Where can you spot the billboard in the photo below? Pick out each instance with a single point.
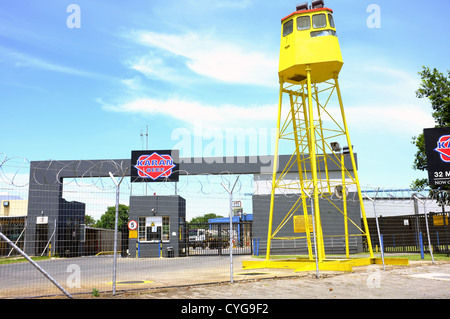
(155, 166)
(437, 148)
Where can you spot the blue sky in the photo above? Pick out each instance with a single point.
(198, 68)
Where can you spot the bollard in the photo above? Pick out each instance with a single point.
(421, 246)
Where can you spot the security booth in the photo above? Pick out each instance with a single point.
(159, 226)
(156, 225)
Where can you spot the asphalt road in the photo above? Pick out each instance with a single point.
(78, 275)
(154, 278)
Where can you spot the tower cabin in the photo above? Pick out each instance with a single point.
(308, 38)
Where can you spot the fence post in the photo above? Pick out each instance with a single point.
(380, 239)
(428, 233)
(426, 223)
(257, 247)
(310, 196)
(116, 226)
(230, 192)
(315, 238)
(422, 256)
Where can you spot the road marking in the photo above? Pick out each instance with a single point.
(436, 276)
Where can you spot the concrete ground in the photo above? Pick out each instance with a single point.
(419, 280)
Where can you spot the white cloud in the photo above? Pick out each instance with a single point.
(19, 59)
(190, 112)
(206, 55)
(133, 84)
(156, 68)
(381, 97)
(406, 119)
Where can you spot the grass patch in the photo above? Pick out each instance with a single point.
(13, 260)
(409, 256)
(427, 257)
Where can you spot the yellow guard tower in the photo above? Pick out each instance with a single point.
(309, 43)
(309, 66)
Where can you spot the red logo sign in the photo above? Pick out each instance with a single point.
(154, 166)
(443, 148)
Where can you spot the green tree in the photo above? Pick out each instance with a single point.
(107, 220)
(204, 218)
(435, 86)
(89, 220)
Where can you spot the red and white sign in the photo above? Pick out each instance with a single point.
(132, 225)
(154, 166)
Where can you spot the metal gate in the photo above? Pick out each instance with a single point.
(214, 239)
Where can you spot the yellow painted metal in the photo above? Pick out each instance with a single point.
(304, 264)
(391, 261)
(313, 163)
(274, 174)
(295, 125)
(344, 203)
(355, 172)
(312, 139)
(321, 132)
(308, 69)
(300, 50)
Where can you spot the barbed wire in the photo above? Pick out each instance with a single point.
(18, 172)
(11, 168)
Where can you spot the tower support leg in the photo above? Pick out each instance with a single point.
(355, 172)
(313, 161)
(274, 173)
(300, 173)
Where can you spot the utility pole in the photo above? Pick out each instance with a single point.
(230, 192)
(146, 147)
(146, 138)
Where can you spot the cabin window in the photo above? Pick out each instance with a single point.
(154, 229)
(319, 21)
(331, 20)
(322, 33)
(288, 27)
(303, 23)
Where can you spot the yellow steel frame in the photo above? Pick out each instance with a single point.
(302, 264)
(307, 62)
(314, 126)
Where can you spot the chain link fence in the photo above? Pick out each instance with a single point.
(170, 245)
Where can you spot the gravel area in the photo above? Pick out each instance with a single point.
(419, 280)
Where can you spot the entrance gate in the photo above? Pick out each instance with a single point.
(214, 239)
